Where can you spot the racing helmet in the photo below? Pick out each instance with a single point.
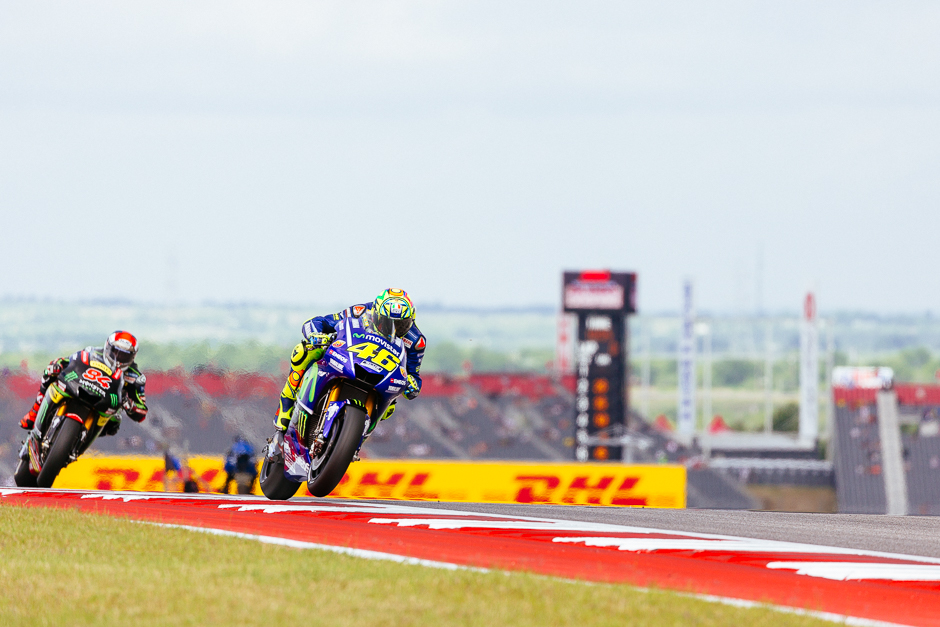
(393, 313)
(120, 349)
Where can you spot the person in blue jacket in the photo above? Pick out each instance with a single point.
(391, 314)
(240, 460)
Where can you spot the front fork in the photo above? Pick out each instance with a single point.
(52, 396)
(33, 440)
(36, 445)
(299, 419)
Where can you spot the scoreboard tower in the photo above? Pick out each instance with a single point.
(602, 300)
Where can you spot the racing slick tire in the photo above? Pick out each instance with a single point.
(63, 443)
(338, 452)
(274, 484)
(22, 477)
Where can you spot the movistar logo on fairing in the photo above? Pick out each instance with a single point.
(374, 338)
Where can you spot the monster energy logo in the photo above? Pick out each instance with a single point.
(71, 376)
(114, 400)
(303, 423)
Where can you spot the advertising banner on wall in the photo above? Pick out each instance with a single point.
(477, 482)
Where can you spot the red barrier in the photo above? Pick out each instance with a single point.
(529, 385)
(169, 382)
(853, 397)
(19, 385)
(918, 394)
(242, 385)
(440, 385)
(909, 394)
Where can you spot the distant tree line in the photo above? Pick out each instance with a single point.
(911, 364)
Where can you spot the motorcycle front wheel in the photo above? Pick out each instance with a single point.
(22, 477)
(332, 463)
(64, 442)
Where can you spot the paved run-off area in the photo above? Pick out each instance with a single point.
(830, 573)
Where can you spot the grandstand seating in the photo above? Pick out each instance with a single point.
(483, 416)
(857, 459)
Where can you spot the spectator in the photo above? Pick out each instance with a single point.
(240, 466)
(171, 464)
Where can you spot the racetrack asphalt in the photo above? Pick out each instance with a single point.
(910, 535)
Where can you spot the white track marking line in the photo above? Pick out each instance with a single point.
(115, 497)
(269, 507)
(361, 506)
(680, 540)
(110, 495)
(464, 523)
(503, 521)
(401, 559)
(742, 545)
(846, 571)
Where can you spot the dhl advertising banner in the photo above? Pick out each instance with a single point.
(478, 482)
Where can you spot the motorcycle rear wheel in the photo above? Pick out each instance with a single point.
(22, 477)
(60, 452)
(274, 484)
(345, 444)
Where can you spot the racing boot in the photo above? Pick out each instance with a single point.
(30, 418)
(282, 417)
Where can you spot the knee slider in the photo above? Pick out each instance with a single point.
(294, 378)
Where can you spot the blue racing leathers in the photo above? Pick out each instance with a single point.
(414, 340)
(305, 354)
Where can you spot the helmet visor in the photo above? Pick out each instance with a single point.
(392, 327)
(118, 356)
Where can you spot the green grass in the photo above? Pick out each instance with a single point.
(61, 567)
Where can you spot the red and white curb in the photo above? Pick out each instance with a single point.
(848, 585)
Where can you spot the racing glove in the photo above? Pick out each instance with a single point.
(319, 340)
(413, 388)
(51, 372)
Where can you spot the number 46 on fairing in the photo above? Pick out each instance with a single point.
(367, 350)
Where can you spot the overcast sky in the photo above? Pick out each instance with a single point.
(470, 151)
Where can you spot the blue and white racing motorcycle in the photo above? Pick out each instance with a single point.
(338, 406)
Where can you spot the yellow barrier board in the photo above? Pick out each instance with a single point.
(99, 472)
(478, 482)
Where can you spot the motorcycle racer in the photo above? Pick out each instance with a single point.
(391, 315)
(118, 353)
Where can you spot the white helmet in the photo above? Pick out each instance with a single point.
(120, 349)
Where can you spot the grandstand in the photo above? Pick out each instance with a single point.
(860, 484)
(509, 416)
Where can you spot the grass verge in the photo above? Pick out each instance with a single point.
(61, 567)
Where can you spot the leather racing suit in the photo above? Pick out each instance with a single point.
(134, 399)
(305, 354)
